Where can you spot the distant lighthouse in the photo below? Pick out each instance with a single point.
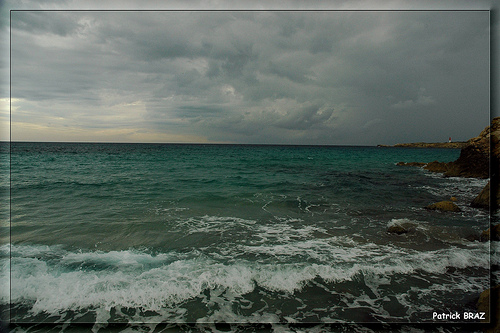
(449, 140)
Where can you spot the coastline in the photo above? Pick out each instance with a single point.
(451, 145)
(474, 162)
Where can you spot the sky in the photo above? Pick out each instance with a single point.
(358, 75)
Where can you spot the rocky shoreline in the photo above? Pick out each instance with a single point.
(451, 145)
(479, 158)
(474, 162)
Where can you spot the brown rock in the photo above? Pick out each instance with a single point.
(437, 166)
(483, 198)
(446, 206)
(397, 229)
(474, 159)
(495, 137)
(473, 162)
(454, 199)
(483, 305)
(487, 234)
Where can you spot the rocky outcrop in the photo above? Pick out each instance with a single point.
(483, 199)
(474, 159)
(446, 206)
(474, 162)
(481, 149)
(437, 166)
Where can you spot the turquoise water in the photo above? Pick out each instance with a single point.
(237, 233)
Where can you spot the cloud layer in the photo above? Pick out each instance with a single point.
(320, 77)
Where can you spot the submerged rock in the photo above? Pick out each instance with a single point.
(446, 206)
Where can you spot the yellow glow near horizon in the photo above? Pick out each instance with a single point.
(69, 127)
(34, 132)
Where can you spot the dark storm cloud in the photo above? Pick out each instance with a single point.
(268, 77)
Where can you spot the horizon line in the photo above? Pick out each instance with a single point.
(187, 143)
(223, 143)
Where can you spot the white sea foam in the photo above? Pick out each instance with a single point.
(53, 291)
(121, 259)
(466, 188)
(168, 210)
(202, 272)
(285, 230)
(401, 222)
(51, 280)
(211, 224)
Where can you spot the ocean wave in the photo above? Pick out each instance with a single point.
(51, 280)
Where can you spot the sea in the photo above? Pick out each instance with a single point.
(146, 236)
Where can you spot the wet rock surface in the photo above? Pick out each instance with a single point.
(397, 229)
(446, 206)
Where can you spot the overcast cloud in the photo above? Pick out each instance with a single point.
(325, 77)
